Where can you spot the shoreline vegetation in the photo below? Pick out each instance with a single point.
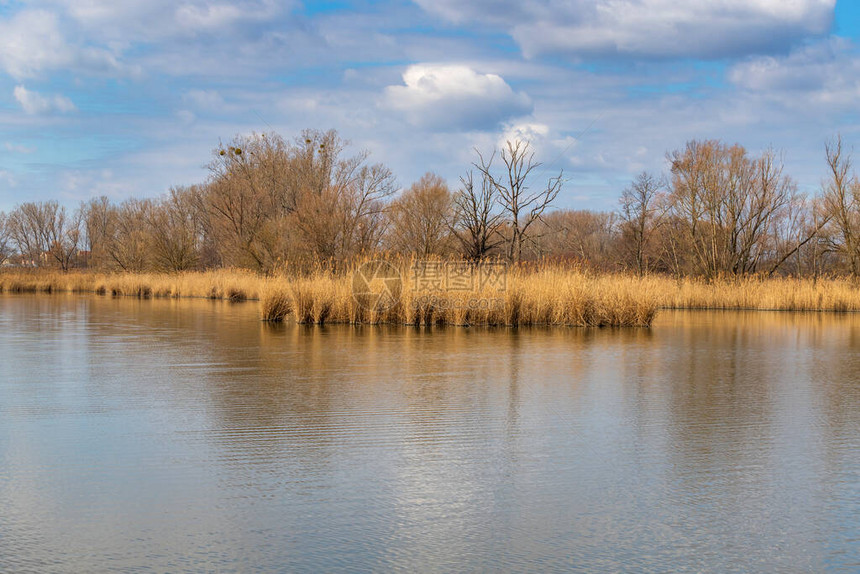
(321, 235)
(544, 294)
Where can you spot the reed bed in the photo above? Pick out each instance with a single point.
(543, 294)
(234, 285)
(759, 293)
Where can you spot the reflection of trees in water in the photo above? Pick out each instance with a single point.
(746, 419)
(744, 373)
(836, 372)
(278, 411)
(243, 387)
(835, 376)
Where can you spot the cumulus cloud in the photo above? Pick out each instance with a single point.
(826, 72)
(647, 28)
(35, 103)
(446, 96)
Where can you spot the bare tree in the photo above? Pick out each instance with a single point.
(45, 234)
(68, 236)
(316, 164)
(364, 202)
(476, 221)
(5, 239)
(267, 200)
(730, 205)
(640, 214)
(521, 205)
(26, 227)
(586, 236)
(175, 230)
(247, 193)
(343, 217)
(421, 217)
(99, 221)
(799, 237)
(129, 244)
(841, 196)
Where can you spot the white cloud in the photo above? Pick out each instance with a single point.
(35, 103)
(33, 42)
(527, 131)
(444, 96)
(128, 37)
(30, 42)
(824, 73)
(647, 28)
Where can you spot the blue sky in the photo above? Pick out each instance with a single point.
(127, 98)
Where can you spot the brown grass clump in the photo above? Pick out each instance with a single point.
(276, 304)
(313, 299)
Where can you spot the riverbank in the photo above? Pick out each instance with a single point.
(536, 295)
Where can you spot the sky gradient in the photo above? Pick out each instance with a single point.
(127, 98)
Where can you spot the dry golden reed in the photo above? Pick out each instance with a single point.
(535, 296)
(759, 293)
(542, 294)
(230, 284)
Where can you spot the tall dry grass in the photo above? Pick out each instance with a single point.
(759, 293)
(235, 285)
(543, 294)
(548, 295)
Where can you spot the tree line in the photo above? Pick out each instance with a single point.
(269, 203)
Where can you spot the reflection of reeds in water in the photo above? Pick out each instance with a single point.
(532, 295)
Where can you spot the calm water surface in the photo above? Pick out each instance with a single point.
(188, 436)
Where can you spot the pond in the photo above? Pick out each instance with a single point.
(186, 435)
